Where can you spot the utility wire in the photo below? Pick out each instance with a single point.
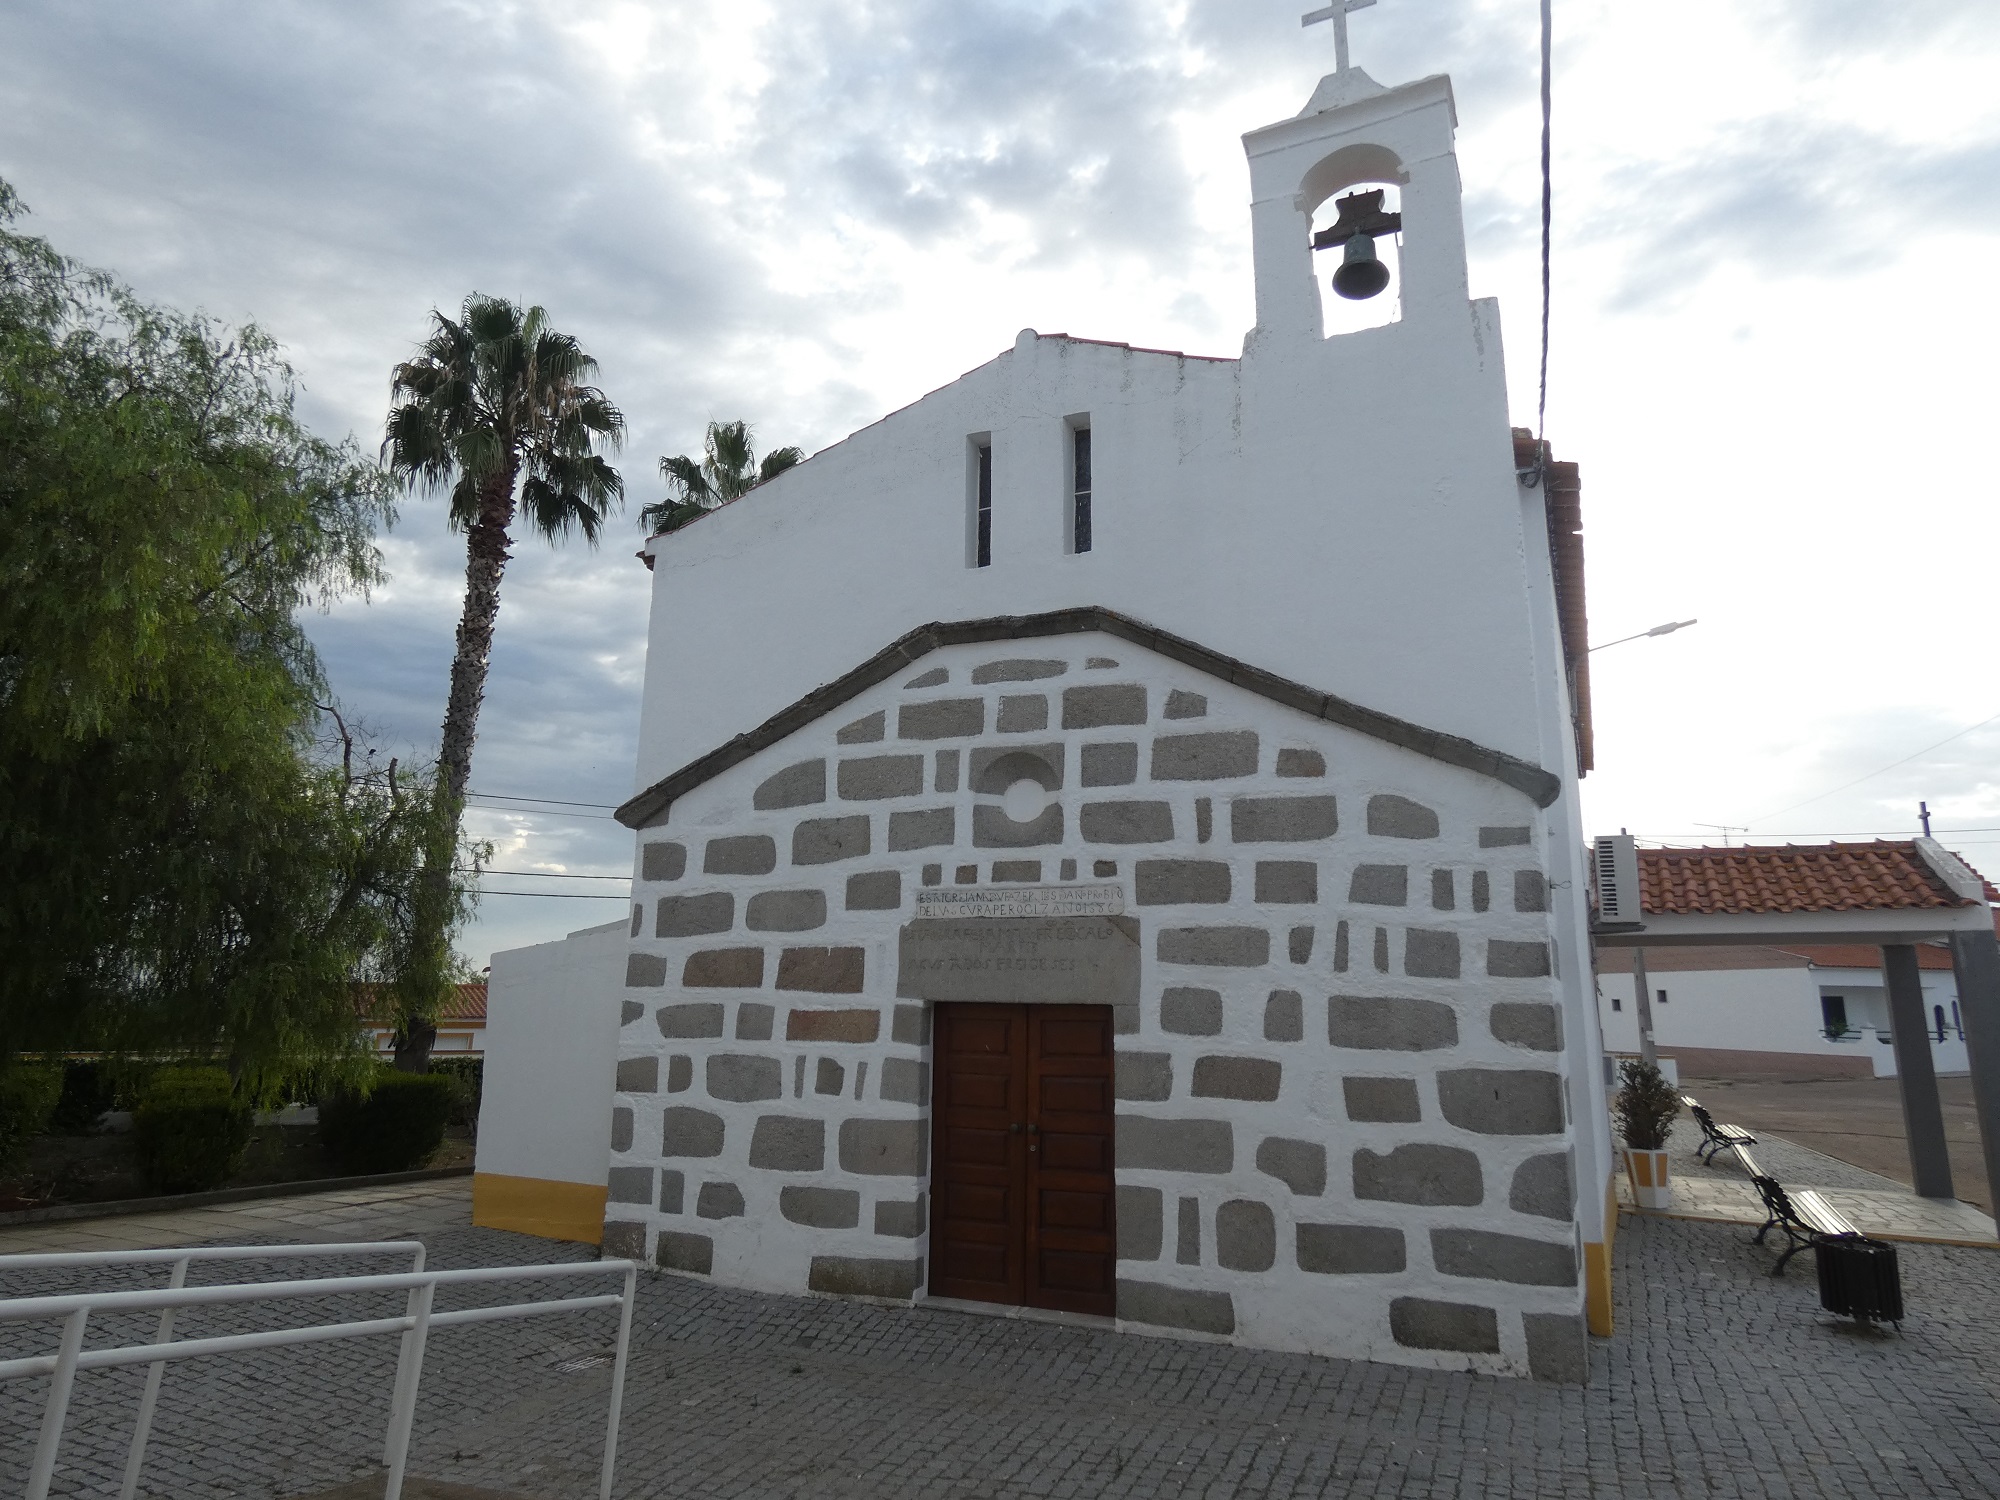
(1879, 771)
(557, 801)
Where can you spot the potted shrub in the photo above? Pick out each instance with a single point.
(1645, 1110)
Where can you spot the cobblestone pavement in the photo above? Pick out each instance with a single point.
(1721, 1382)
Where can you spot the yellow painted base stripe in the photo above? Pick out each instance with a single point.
(1597, 1268)
(539, 1206)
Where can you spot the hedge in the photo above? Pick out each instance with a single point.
(395, 1129)
(28, 1094)
(191, 1130)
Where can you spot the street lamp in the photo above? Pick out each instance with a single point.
(1667, 629)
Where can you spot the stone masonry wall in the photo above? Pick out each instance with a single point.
(1341, 1124)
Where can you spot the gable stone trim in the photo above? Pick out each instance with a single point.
(1539, 785)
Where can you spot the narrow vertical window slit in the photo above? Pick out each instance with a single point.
(1080, 505)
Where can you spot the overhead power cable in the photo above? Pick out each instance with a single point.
(1818, 796)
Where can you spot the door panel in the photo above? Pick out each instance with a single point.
(1072, 1241)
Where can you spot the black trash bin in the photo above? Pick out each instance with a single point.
(1858, 1278)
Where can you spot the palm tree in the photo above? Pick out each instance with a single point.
(494, 412)
(728, 471)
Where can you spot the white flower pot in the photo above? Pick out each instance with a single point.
(1647, 1172)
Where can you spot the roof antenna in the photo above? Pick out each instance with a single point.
(1725, 829)
(1924, 816)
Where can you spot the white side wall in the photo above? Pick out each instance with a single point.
(551, 1041)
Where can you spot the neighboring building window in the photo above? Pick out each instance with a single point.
(1080, 489)
(982, 546)
(1663, 997)
(1833, 1011)
(1616, 1003)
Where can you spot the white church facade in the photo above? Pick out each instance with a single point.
(1108, 838)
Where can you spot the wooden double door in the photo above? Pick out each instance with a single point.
(1022, 1189)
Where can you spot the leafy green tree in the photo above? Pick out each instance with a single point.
(728, 470)
(496, 413)
(186, 871)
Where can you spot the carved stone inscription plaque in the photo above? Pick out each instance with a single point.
(1032, 960)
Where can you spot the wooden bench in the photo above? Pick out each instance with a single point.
(1715, 1138)
(1806, 1218)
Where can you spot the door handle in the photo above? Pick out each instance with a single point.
(1015, 1128)
(1033, 1131)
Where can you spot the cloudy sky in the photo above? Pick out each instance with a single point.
(1777, 224)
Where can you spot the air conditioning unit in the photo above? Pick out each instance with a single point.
(1617, 866)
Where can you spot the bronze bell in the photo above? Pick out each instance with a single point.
(1360, 275)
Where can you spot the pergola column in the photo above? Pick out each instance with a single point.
(1923, 1115)
(1975, 962)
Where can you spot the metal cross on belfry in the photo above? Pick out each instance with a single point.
(1336, 13)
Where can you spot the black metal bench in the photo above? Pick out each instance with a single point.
(1806, 1218)
(1715, 1138)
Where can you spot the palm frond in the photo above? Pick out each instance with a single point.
(777, 461)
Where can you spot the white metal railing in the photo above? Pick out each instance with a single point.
(413, 1324)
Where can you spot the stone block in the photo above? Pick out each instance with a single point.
(829, 1077)
(905, 1080)
(821, 841)
(1214, 755)
(1350, 1249)
(1022, 713)
(922, 828)
(1430, 955)
(1390, 1023)
(696, 1019)
(673, 1192)
(638, 1075)
(1381, 1101)
(1153, 1145)
(680, 1073)
(1187, 1233)
(1095, 707)
(693, 916)
(1444, 894)
(801, 785)
(623, 1241)
(690, 1132)
(1141, 1223)
(1180, 882)
(1531, 891)
(995, 768)
(788, 1143)
(1460, 1327)
(833, 1025)
(1505, 960)
(863, 731)
(1502, 1101)
(680, 1251)
(1482, 891)
(820, 1207)
(866, 1276)
(631, 1010)
(884, 1148)
(1143, 1075)
(876, 890)
(663, 861)
(1380, 885)
(1175, 1307)
(741, 854)
(1558, 1351)
(1224, 1077)
(903, 1220)
(753, 1021)
(911, 1025)
(1017, 871)
(946, 779)
(1204, 819)
(1381, 950)
(645, 971)
(1299, 945)
(638, 919)
(1246, 1236)
(1490, 1256)
(1287, 881)
(1301, 763)
(1233, 947)
(1018, 669)
(786, 911)
(873, 777)
(1110, 765)
(744, 1077)
(1299, 1165)
(1505, 838)
(1545, 1187)
(1185, 705)
(1392, 817)
(1282, 820)
(935, 677)
(1340, 947)
(1532, 1025)
(942, 719)
(1284, 1016)
(830, 971)
(1433, 1176)
(1191, 1012)
(719, 1200)
(993, 829)
(1066, 870)
(724, 968)
(1126, 822)
(621, 1129)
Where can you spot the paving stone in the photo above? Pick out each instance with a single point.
(1430, 955)
(943, 719)
(885, 1148)
(993, 829)
(1284, 1016)
(1022, 713)
(874, 777)
(788, 1143)
(695, 1019)
(1110, 764)
(1444, 895)
(1502, 1101)
(1176, 1307)
(638, 1075)
(833, 1025)
(821, 841)
(1141, 1222)
(1393, 817)
(1287, 881)
(1421, 1323)
(1126, 822)
(621, 1132)
(820, 1207)
(1215, 755)
(1223, 1077)
(1532, 1025)
(1505, 838)
(741, 854)
(724, 968)
(863, 731)
(1380, 885)
(1282, 820)
(1390, 1023)
(1186, 1011)
(865, 1276)
(678, 1250)
(1246, 1236)
(753, 1021)
(1558, 1350)
(906, 1081)
(1381, 1101)
(786, 911)
(1153, 1145)
(801, 785)
(743, 1077)
(662, 860)
(1531, 891)
(693, 916)
(1505, 960)
(1299, 1165)
(876, 890)
(1180, 882)
(1185, 705)
(1237, 947)
(922, 828)
(933, 678)
(719, 1200)
(900, 1219)
(1350, 1249)
(1544, 1186)
(829, 971)
(1301, 763)
(1097, 706)
(1018, 669)
(1434, 1176)
(1143, 1075)
(1016, 871)
(1492, 1256)
(685, 1131)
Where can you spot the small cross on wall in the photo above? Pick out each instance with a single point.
(1337, 13)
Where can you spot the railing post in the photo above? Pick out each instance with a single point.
(409, 1375)
(618, 1382)
(61, 1379)
(142, 1429)
(403, 1351)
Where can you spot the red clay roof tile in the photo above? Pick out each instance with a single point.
(1790, 878)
